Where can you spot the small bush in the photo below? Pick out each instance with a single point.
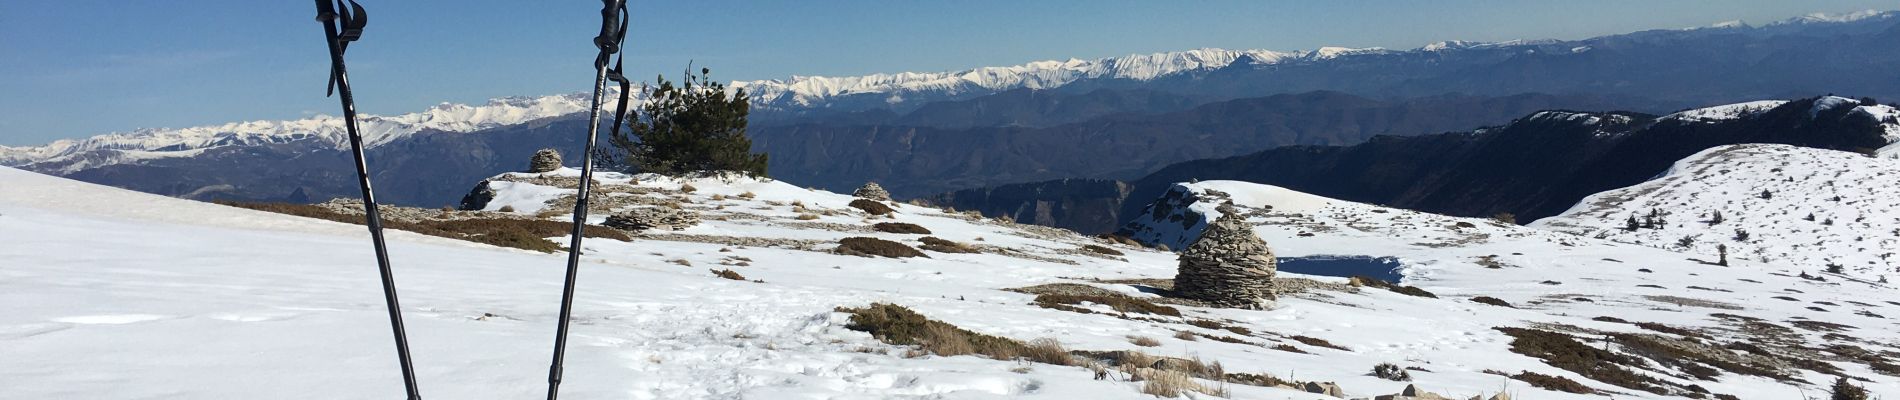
(871, 207)
(1047, 351)
(1185, 335)
(1391, 372)
(728, 274)
(807, 217)
(1145, 341)
(1119, 303)
(1491, 301)
(506, 209)
(1556, 383)
(688, 188)
(932, 243)
(864, 246)
(1101, 250)
(1844, 390)
(900, 227)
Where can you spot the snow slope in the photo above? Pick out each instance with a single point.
(1552, 277)
(114, 294)
(1852, 199)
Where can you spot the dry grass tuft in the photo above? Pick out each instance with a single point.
(728, 274)
(1145, 341)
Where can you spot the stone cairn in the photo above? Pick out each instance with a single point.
(644, 218)
(872, 191)
(1229, 266)
(544, 160)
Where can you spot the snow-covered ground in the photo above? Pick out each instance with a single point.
(1795, 207)
(1551, 277)
(115, 294)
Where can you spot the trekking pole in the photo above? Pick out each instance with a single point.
(613, 29)
(339, 29)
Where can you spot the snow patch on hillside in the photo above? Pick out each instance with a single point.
(1725, 112)
(1795, 206)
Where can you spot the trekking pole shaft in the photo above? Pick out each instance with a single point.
(373, 216)
(574, 244)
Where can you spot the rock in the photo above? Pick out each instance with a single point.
(478, 197)
(544, 160)
(1325, 388)
(872, 191)
(645, 218)
(1228, 267)
(1412, 392)
(1501, 396)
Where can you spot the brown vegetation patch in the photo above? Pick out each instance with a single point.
(1313, 341)
(1550, 382)
(1820, 326)
(900, 227)
(1562, 351)
(728, 274)
(1118, 302)
(1491, 301)
(867, 247)
(897, 325)
(505, 232)
(871, 207)
(935, 244)
(1101, 250)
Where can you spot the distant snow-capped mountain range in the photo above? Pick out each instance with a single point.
(891, 91)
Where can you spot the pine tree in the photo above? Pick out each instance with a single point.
(690, 127)
(1632, 225)
(1722, 250)
(1715, 218)
(1765, 194)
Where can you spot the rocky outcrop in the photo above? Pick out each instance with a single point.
(1228, 267)
(872, 191)
(1325, 388)
(544, 160)
(478, 197)
(644, 218)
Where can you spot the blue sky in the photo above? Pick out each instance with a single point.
(74, 68)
